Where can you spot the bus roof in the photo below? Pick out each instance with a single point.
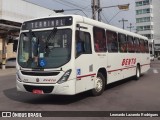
(110, 27)
(96, 23)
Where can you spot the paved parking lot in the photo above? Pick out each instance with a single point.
(126, 95)
(7, 71)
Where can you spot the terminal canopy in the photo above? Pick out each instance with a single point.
(9, 28)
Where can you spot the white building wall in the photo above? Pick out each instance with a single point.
(155, 15)
(19, 10)
(156, 20)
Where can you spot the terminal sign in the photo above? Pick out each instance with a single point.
(47, 23)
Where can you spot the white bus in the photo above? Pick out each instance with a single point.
(70, 54)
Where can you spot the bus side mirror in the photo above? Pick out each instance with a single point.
(78, 26)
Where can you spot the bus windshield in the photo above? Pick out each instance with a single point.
(45, 49)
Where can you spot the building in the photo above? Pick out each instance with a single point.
(148, 22)
(12, 14)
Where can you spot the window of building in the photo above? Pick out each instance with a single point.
(99, 39)
(149, 36)
(138, 12)
(130, 42)
(144, 2)
(122, 42)
(148, 27)
(139, 28)
(143, 11)
(83, 43)
(144, 28)
(112, 42)
(139, 3)
(144, 19)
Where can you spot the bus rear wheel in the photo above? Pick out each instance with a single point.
(99, 85)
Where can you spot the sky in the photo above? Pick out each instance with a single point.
(109, 15)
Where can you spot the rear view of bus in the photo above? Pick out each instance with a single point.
(44, 56)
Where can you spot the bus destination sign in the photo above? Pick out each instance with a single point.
(47, 23)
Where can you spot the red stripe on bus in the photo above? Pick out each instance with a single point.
(86, 75)
(126, 68)
(79, 77)
(145, 64)
(121, 69)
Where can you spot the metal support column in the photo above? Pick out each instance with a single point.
(4, 55)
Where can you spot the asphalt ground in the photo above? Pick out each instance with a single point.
(125, 95)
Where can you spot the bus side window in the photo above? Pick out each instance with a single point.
(130, 43)
(99, 39)
(142, 46)
(146, 46)
(122, 42)
(83, 43)
(137, 45)
(112, 43)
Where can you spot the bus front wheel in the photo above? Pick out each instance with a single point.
(99, 85)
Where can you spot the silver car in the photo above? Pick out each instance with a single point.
(152, 57)
(11, 62)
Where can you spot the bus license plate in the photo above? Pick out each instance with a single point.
(37, 92)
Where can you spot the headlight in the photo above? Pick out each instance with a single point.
(65, 77)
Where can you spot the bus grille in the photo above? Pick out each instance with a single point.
(40, 73)
(46, 89)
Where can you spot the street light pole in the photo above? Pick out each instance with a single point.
(123, 21)
(93, 10)
(95, 5)
(99, 9)
(121, 7)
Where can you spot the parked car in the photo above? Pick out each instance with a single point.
(158, 57)
(11, 62)
(152, 57)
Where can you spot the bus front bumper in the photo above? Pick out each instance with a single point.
(66, 88)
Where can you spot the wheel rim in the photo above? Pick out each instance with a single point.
(99, 84)
(138, 73)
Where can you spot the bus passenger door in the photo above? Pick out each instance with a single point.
(83, 60)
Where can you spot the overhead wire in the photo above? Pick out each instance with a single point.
(78, 10)
(84, 9)
(72, 3)
(104, 17)
(62, 3)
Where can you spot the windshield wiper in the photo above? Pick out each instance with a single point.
(51, 35)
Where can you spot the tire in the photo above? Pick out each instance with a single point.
(138, 72)
(99, 85)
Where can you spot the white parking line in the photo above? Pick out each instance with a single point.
(155, 71)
